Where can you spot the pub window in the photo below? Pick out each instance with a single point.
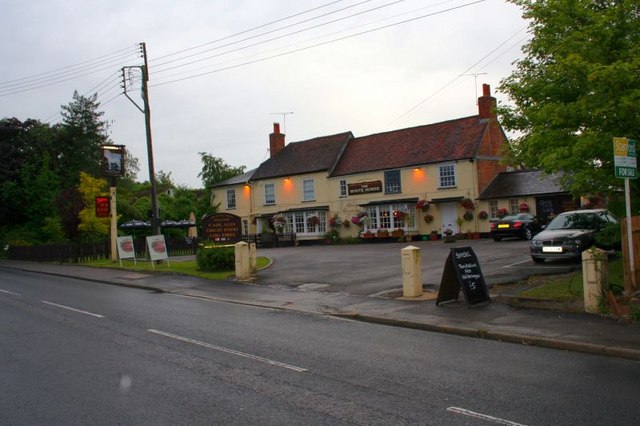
(231, 198)
(447, 175)
(514, 206)
(493, 208)
(392, 181)
(308, 190)
(269, 193)
(343, 187)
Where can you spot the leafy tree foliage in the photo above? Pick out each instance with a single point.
(215, 169)
(576, 88)
(92, 228)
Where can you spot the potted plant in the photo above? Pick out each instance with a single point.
(447, 235)
(367, 235)
(433, 235)
(382, 233)
(397, 233)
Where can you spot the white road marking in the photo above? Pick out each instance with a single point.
(10, 292)
(229, 351)
(73, 309)
(473, 414)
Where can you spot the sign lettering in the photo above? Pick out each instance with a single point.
(364, 187)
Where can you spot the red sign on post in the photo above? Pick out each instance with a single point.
(103, 207)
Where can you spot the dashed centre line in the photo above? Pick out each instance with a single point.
(69, 308)
(229, 351)
(486, 417)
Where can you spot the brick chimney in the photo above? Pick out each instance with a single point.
(487, 104)
(276, 140)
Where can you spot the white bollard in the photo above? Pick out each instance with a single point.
(411, 275)
(594, 277)
(243, 264)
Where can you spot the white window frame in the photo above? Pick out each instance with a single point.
(514, 206)
(308, 190)
(231, 199)
(269, 194)
(493, 208)
(343, 187)
(447, 175)
(392, 187)
(298, 222)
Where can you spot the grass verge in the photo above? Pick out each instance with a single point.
(569, 286)
(187, 267)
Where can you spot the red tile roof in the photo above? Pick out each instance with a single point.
(433, 143)
(313, 155)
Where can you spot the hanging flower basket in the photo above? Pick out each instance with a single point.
(428, 218)
(483, 215)
(346, 223)
(279, 221)
(524, 208)
(468, 215)
(399, 215)
(335, 221)
(423, 204)
(502, 212)
(313, 220)
(468, 204)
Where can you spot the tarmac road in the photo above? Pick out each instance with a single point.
(375, 269)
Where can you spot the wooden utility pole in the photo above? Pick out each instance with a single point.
(146, 110)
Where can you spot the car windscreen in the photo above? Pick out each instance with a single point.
(574, 221)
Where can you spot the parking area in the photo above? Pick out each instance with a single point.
(373, 269)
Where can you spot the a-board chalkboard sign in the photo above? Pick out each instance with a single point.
(462, 270)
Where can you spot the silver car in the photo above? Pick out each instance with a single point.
(569, 234)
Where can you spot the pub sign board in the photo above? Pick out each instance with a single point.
(364, 187)
(462, 271)
(103, 207)
(223, 228)
(112, 160)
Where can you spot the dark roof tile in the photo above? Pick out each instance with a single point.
(313, 155)
(523, 183)
(433, 143)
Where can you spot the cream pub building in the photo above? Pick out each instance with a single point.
(409, 182)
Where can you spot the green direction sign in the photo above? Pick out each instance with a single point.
(624, 155)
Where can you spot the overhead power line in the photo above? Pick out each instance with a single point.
(319, 44)
(274, 38)
(465, 72)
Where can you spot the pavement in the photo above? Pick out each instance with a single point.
(498, 320)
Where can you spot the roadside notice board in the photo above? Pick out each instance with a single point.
(624, 156)
(157, 248)
(462, 271)
(126, 248)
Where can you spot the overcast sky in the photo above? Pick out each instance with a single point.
(222, 72)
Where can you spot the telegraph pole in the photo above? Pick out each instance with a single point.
(155, 214)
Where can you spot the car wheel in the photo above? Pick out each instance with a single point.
(538, 259)
(497, 238)
(528, 234)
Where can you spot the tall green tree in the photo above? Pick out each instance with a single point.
(215, 169)
(577, 86)
(83, 130)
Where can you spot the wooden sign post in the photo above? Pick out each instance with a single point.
(462, 270)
